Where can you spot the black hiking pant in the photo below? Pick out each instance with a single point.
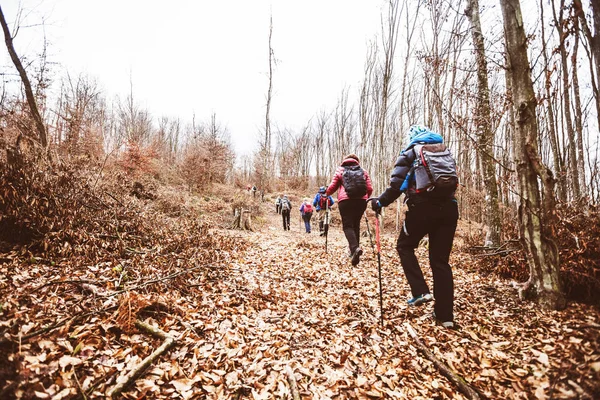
(351, 211)
(438, 220)
(285, 215)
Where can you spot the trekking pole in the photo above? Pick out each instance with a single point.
(378, 259)
(369, 230)
(378, 241)
(326, 224)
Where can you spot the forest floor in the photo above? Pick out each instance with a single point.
(257, 314)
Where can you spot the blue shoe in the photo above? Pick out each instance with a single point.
(422, 299)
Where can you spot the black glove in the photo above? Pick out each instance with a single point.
(375, 205)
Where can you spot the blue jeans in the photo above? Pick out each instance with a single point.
(306, 218)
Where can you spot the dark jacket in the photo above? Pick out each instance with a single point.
(336, 182)
(402, 179)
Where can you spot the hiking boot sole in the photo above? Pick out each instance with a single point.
(356, 256)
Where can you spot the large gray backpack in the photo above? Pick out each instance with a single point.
(435, 170)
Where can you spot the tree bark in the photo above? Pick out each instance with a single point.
(559, 168)
(35, 113)
(578, 108)
(594, 43)
(572, 146)
(544, 282)
(596, 38)
(484, 129)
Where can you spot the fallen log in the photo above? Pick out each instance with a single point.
(128, 379)
(458, 380)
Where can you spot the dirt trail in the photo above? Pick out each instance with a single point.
(318, 314)
(246, 307)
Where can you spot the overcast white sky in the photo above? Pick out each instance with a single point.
(204, 56)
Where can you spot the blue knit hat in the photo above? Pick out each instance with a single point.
(416, 130)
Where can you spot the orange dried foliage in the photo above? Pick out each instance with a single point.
(577, 235)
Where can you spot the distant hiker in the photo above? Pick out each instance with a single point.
(278, 205)
(306, 210)
(355, 188)
(286, 209)
(432, 210)
(254, 189)
(322, 202)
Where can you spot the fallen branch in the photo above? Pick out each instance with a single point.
(137, 371)
(459, 381)
(291, 378)
(53, 326)
(63, 282)
(496, 253)
(162, 279)
(585, 326)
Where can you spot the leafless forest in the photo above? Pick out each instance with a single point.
(109, 216)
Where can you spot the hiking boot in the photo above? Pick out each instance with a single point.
(448, 324)
(356, 256)
(422, 299)
(445, 324)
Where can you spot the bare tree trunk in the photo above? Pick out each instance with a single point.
(35, 113)
(596, 38)
(389, 41)
(559, 169)
(572, 147)
(578, 110)
(266, 151)
(594, 43)
(544, 282)
(485, 134)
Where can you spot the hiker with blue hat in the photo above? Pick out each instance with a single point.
(322, 203)
(426, 173)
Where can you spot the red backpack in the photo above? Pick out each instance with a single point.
(323, 202)
(308, 208)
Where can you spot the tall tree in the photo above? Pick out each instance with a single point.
(265, 151)
(35, 113)
(558, 164)
(485, 134)
(544, 282)
(389, 40)
(594, 43)
(559, 23)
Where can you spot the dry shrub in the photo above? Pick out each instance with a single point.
(207, 160)
(130, 304)
(53, 210)
(298, 182)
(138, 159)
(577, 235)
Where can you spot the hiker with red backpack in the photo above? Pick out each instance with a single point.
(306, 210)
(355, 188)
(322, 203)
(426, 173)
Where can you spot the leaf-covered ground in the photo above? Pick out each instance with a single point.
(245, 307)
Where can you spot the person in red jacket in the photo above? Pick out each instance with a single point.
(355, 188)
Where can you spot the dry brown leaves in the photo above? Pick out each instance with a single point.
(246, 305)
